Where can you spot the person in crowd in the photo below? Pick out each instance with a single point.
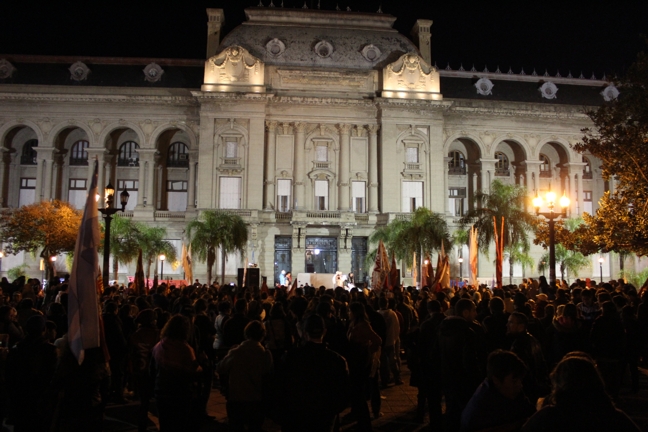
(608, 341)
(495, 325)
(499, 402)
(9, 325)
(578, 401)
(461, 366)
(566, 334)
(176, 370)
(388, 361)
(314, 381)
(279, 337)
(529, 350)
(140, 346)
(242, 372)
(233, 329)
(363, 359)
(29, 370)
(117, 348)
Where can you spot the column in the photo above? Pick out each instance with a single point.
(580, 194)
(573, 198)
(300, 128)
(270, 169)
(40, 172)
(446, 186)
(4, 177)
(343, 182)
(373, 168)
(141, 179)
(150, 183)
(191, 183)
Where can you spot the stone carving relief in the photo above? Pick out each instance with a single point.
(6, 69)
(411, 77)
(371, 53)
(323, 48)
(484, 86)
(234, 67)
(548, 90)
(609, 93)
(79, 71)
(153, 72)
(275, 48)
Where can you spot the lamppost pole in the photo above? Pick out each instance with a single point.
(601, 259)
(108, 211)
(460, 269)
(551, 217)
(1, 256)
(162, 258)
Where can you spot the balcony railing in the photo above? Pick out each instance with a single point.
(457, 170)
(28, 160)
(501, 172)
(545, 174)
(322, 165)
(169, 215)
(323, 215)
(412, 166)
(283, 215)
(587, 175)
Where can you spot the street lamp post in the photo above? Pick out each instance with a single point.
(108, 211)
(551, 217)
(1, 256)
(601, 260)
(162, 258)
(460, 269)
(53, 261)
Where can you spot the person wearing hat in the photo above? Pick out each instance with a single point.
(314, 381)
(30, 367)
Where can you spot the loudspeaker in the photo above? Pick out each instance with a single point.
(252, 277)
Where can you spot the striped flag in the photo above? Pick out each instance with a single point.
(83, 307)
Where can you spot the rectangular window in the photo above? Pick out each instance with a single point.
(411, 155)
(587, 202)
(27, 191)
(231, 149)
(358, 190)
(176, 186)
(78, 184)
(130, 185)
(412, 196)
(321, 153)
(230, 193)
(283, 195)
(456, 199)
(321, 194)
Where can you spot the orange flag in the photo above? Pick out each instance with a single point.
(380, 274)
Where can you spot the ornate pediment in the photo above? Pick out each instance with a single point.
(410, 77)
(234, 70)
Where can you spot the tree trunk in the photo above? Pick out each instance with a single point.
(222, 266)
(511, 271)
(115, 269)
(211, 258)
(622, 264)
(148, 269)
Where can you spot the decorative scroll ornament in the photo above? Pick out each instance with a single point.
(6, 69)
(371, 53)
(484, 86)
(411, 77)
(548, 90)
(236, 63)
(275, 47)
(153, 72)
(323, 49)
(609, 93)
(79, 71)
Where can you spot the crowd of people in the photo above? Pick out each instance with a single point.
(525, 357)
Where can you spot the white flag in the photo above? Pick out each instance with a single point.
(83, 308)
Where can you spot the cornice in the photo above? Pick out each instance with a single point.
(518, 109)
(321, 101)
(79, 98)
(202, 97)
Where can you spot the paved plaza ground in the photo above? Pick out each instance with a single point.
(398, 408)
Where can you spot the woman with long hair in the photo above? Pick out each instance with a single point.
(176, 371)
(578, 401)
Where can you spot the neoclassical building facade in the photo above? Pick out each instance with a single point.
(315, 126)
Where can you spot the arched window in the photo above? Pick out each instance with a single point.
(79, 154)
(457, 163)
(128, 154)
(545, 166)
(502, 164)
(587, 169)
(28, 156)
(178, 155)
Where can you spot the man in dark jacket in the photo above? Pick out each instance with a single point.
(536, 382)
(233, 330)
(314, 383)
(461, 364)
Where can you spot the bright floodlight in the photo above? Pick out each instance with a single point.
(460, 260)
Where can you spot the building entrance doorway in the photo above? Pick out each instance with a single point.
(321, 255)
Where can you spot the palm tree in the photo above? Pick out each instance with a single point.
(124, 242)
(505, 201)
(518, 254)
(569, 261)
(153, 244)
(214, 229)
(421, 234)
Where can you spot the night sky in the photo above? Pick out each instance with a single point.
(594, 36)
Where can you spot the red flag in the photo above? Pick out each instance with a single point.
(394, 274)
